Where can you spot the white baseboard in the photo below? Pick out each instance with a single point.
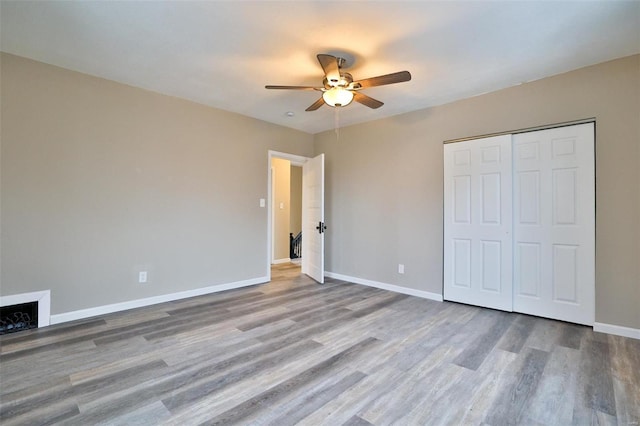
(131, 304)
(384, 286)
(618, 330)
(279, 261)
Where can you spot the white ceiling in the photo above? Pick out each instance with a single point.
(223, 53)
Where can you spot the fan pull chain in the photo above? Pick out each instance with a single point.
(336, 122)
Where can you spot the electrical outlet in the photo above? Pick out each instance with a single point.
(142, 276)
(400, 268)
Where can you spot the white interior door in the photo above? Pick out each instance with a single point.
(554, 223)
(313, 218)
(477, 222)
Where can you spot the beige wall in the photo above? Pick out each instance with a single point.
(281, 170)
(384, 193)
(100, 180)
(295, 220)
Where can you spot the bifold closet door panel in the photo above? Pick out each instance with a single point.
(477, 222)
(554, 223)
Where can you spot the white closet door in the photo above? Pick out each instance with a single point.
(554, 223)
(477, 222)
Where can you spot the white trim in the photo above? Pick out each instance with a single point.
(272, 204)
(617, 330)
(283, 260)
(525, 130)
(44, 304)
(138, 303)
(296, 160)
(384, 286)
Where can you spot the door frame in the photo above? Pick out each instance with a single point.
(296, 160)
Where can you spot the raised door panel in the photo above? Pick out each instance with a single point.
(527, 268)
(491, 200)
(528, 198)
(462, 263)
(565, 273)
(462, 199)
(564, 196)
(491, 265)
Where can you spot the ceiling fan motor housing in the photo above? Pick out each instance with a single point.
(345, 80)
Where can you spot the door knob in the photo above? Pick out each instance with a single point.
(321, 227)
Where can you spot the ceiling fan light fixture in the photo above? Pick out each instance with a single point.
(337, 96)
(338, 88)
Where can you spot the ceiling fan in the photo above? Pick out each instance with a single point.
(339, 89)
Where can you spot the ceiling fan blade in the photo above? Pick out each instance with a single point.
(366, 100)
(317, 104)
(293, 87)
(329, 65)
(396, 77)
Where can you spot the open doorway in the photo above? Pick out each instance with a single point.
(311, 224)
(279, 215)
(286, 211)
(295, 218)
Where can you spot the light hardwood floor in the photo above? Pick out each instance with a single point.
(294, 352)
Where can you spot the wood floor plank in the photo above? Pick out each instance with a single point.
(186, 395)
(10, 341)
(595, 380)
(219, 402)
(298, 312)
(17, 374)
(356, 421)
(346, 405)
(109, 383)
(516, 336)
(407, 358)
(295, 352)
(479, 390)
(282, 390)
(425, 382)
(480, 347)
(152, 414)
(545, 335)
(625, 359)
(627, 403)
(214, 343)
(299, 408)
(511, 403)
(571, 336)
(49, 414)
(554, 398)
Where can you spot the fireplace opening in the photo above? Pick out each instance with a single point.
(22, 316)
